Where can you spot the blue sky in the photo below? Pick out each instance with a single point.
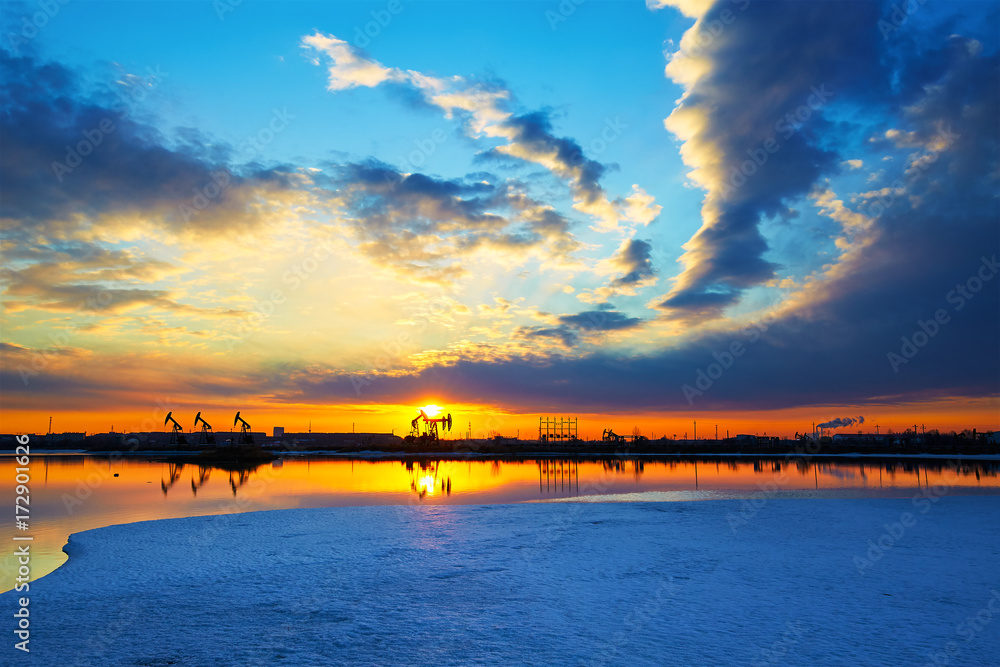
(225, 77)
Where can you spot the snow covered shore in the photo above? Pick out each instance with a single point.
(853, 582)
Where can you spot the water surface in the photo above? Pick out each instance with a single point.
(74, 493)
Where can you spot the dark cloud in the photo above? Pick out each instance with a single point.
(533, 131)
(381, 197)
(420, 225)
(86, 278)
(588, 325)
(600, 320)
(933, 253)
(486, 107)
(635, 260)
(793, 363)
(93, 298)
(565, 336)
(50, 185)
(774, 59)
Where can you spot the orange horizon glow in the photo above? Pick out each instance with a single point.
(944, 415)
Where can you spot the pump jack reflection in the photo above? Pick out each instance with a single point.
(239, 475)
(425, 478)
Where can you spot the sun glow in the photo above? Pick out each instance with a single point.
(426, 485)
(432, 410)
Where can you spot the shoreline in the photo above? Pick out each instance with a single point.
(373, 454)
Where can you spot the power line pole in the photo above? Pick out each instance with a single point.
(696, 430)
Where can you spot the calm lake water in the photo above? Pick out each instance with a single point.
(73, 493)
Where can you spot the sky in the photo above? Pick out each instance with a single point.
(753, 214)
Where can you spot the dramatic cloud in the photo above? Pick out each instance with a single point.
(49, 287)
(845, 176)
(759, 78)
(632, 265)
(487, 113)
(634, 259)
(907, 312)
(566, 337)
(600, 320)
(79, 173)
(587, 326)
(421, 226)
(74, 159)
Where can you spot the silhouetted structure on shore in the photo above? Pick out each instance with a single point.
(971, 442)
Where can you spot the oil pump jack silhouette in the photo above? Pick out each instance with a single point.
(177, 435)
(207, 437)
(246, 438)
(430, 427)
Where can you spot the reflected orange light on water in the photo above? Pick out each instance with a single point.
(427, 484)
(75, 493)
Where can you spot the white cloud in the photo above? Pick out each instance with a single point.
(349, 69)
